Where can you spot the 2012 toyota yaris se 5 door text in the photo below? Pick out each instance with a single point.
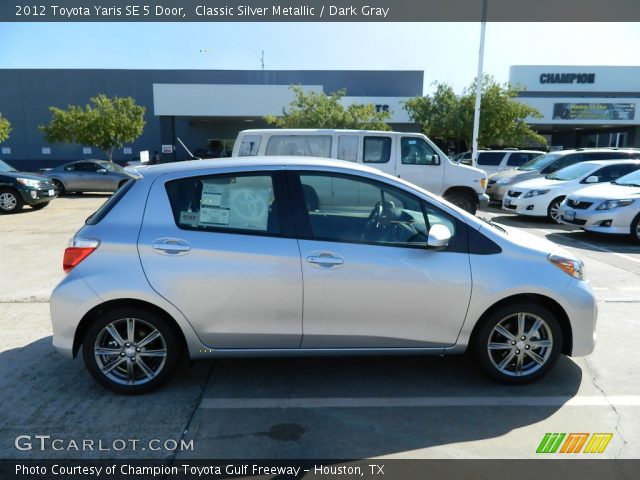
(298, 256)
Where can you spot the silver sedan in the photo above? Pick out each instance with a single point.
(88, 176)
(297, 256)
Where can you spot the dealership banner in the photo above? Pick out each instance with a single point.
(368, 469)
(319, 11)
(594, 111)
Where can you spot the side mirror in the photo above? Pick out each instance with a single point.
(102, 170)
(438, 237)
(435, 159)
(592, 179)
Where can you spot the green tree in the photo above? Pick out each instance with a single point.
(502, 118)
(105, 123)
(5, 128)
(440, 115)
(448, 118)
(317, 110)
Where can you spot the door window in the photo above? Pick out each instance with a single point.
(348, 148)
(415, 151)
(376, 149)
(351, 209)
(518, 159)
(300, 145)
(613, 172)
(225, 203)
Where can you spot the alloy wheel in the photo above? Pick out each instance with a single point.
(520, 344)
(554, 212)
(130, 351)
(8, 201)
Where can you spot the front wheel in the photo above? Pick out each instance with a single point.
(59, 187)
(553, 212)
(131, 350)
(465, 202)
(635, 229)
(518, 343)
(10, 201)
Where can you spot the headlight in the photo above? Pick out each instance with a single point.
(505, 180)
(609, 204)
(535, 193)
(27, 182)
(570, 266)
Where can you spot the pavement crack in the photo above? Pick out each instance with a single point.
(594, 378)
(198, 402)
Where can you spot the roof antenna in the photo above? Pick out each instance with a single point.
(188, 151)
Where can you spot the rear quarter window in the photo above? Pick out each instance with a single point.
(111, 202)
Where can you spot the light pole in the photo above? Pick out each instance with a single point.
(479, 80)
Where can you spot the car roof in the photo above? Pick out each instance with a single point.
(327, 131)
(258, 162)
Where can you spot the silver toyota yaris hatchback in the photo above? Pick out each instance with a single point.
(293, 256)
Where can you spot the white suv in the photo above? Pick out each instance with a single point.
(492, 161)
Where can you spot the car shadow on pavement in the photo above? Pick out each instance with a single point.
(286, 408)
(44, 393)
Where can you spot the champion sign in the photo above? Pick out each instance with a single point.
(567, 78)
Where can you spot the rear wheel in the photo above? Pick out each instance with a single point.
(131, 350)
(59, 187)
(518, 343)
(10, 201)
(464, 201)
(553, 212)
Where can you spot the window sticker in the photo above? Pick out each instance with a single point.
(189, 218)
(234, 206)
(213, 216)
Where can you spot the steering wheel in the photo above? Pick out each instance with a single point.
(373, 230)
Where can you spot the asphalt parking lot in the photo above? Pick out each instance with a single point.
(402, 407)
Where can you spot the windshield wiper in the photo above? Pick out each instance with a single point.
(495, 225)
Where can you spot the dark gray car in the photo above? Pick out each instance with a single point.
(88, 176)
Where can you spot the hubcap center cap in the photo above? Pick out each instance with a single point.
(130, 352)
(520, 344)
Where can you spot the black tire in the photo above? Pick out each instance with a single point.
(635, 229)
(59, 187)
(131, 355)
(40, 206)
(508, 351)
(10, 201)
(464, 201)
(553, 210)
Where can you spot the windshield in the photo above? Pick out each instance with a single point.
(631, 179)
(571, 172)
(112, 167)
(539, 162)
(5, 167)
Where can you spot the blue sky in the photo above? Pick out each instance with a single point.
(446, 52)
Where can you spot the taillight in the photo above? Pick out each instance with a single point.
(77, 251)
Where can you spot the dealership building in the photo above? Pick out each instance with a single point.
(200, 107)
(582, 106)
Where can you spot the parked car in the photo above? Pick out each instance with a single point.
(19, 188)
(493, 161)
(541, 197)
(612, 208)
(88, 176)
(499, 183)
(411, 156)
(214, 258)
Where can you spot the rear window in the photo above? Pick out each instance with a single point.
(490, 158)
(300, 145)
(249, 146)
(107, 206)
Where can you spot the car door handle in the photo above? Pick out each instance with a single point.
(171, 246)
(325, 260)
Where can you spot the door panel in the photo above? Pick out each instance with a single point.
(417, 164)
(239, 288)
(382, 296)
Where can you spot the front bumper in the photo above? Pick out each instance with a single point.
(35, 196)
(582, 311)
(483, 200)
(616, 221)
(533, 206)
(496, 192)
